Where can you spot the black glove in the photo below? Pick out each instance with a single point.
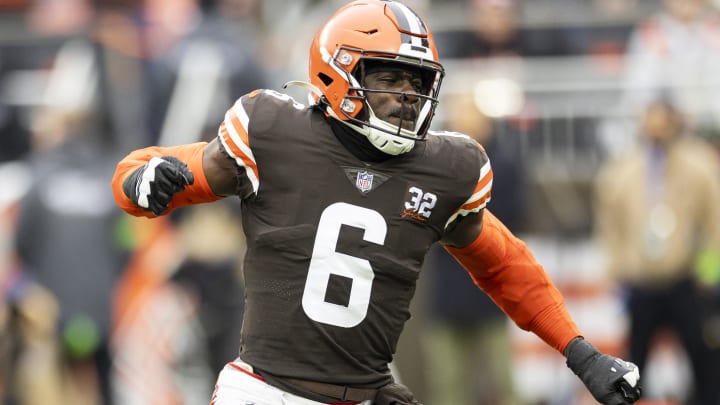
(153, 186)
(395, 394)
(610, 380)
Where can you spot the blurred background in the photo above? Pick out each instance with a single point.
(601, 119)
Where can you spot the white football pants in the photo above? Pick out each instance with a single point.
(237, 385)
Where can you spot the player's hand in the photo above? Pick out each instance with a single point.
(153, 186)
(610, 380)
(395, 394)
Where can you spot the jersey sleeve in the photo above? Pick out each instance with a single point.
(234, 135)
(481, 193)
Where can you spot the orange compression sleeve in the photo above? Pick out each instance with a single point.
(191, 154)
(503, 267)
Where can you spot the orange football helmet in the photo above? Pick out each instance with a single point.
(369, 31)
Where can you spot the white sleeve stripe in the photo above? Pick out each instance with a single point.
(242, 115)
(483, 191)
(464, 213)
(248, 170)
(486, 189)
(452, 218)
(484, 172)
(237, 139)
(485, 169)
(476, 197)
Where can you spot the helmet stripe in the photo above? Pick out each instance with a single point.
(409, 21)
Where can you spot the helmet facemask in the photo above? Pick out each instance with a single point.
(388, 137)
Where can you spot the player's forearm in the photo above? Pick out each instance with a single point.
(502, 266)
(192, 154)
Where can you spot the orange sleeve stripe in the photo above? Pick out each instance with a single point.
(236, 151)
(238, 126)
(501, 265)
(192, 155)
(229, 142)
(484, 181)
(475, 204)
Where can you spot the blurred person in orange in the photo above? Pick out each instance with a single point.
(658, 219)
(340, 202)
(178, 307)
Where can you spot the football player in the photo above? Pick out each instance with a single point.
(340, 202)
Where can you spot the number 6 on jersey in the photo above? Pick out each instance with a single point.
(326, 261)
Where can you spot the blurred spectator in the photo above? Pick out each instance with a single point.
(182, 287)
(657, 215)
(199, 61)
(677, 49)
(32, 33)
(14, 140)
(30, 370)
(199, 57)
(495, 30)
(66, 239)
(158, 355)
(211, 272)
(466, 340)
(606, 37)
(179, 307)
(65, 232)
(121, 68)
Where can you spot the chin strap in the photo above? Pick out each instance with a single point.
(392, 145)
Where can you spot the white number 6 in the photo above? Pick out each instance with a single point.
(326, 261)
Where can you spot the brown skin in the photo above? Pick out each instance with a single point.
(220, 171)
(394, 107)
(465, 231)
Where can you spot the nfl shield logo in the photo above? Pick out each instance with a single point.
(364, 181)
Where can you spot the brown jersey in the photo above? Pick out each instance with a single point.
(335, 244)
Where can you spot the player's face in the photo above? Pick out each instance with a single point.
(397, 109)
